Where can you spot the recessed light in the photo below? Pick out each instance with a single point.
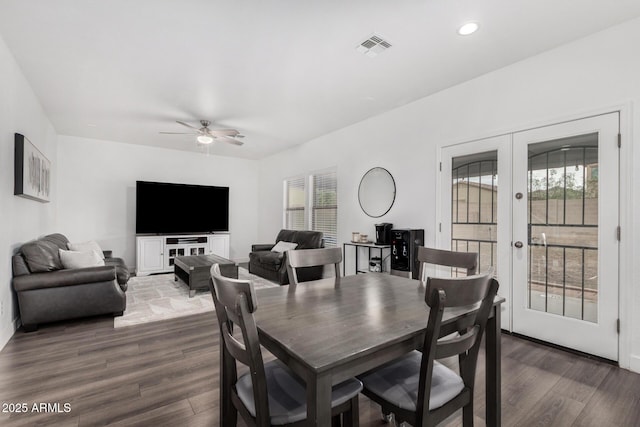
(468, 28)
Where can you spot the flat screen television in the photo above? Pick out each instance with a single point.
(164, 208)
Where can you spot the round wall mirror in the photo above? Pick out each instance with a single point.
(377, 192)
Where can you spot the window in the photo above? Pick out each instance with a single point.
(324, 212)
(294, 203)
(311, 203)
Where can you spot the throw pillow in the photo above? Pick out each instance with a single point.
(41, 256)
(77, 259)
(283, 246)
(91, 245)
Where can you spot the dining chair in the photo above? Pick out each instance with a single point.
(416, 388)
(466, 260)
(313, 258)
(270, 393)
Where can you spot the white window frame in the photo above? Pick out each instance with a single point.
(309, 202)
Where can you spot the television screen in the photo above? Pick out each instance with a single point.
(164, 208)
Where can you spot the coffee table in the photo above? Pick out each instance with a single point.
(194, 270)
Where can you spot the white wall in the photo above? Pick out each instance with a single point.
(21, 219)
(97, 184)
(598, 73)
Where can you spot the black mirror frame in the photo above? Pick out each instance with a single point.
(394, 192)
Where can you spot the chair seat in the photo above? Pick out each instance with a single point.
(287, 393)
(397, 382)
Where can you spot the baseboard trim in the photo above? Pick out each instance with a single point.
(634, 363)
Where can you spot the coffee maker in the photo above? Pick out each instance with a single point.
(383, 232)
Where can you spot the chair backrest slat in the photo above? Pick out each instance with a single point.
(461, 291)
(456, 345)
(236, 349)
(313, 258)
(466, 260)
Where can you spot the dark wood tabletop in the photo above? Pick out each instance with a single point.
(191, 262)
(327, 333)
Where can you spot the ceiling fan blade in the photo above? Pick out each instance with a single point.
(229, 140)
(224, 132)
(178, 133)
(187, 125)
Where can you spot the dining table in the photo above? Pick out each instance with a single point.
(327, 332)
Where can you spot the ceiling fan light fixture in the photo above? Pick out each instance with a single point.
(204, 139)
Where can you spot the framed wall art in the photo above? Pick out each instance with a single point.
(32, 171)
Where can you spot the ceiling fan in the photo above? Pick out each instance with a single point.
(205, 135)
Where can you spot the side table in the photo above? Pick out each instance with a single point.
(357, 246)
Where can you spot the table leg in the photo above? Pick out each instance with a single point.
(319, 401)
(493, 368)
(344, 261)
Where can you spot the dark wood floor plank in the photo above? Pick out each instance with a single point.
(582, 380)
(203, 402)
(555, 410)
(163, 416)
(616, 402)
(166, 373)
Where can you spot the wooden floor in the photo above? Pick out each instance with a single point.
(166, 373)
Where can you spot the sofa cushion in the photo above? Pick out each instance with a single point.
(283, 246)
(60, 240)
(305, 239)
(19, 265)
(286, 235)
(41, 255)
(78, 259)
(91, 245)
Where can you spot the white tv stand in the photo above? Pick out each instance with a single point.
(156, 253)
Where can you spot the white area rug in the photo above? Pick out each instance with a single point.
(160, 297)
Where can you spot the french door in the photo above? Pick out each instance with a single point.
(551, 194)
(475, 208)
(565, 253)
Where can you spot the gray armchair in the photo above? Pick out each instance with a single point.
(273, 265)
(48, 293)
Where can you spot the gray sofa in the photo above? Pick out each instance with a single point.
(48, 293)
(273, 265)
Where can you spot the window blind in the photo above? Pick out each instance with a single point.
(295, 203)
(324, 209)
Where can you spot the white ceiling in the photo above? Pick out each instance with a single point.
(281, 71)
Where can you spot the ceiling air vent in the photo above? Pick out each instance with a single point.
(373, 46)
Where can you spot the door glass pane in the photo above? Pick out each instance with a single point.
(563, 227)
(474, 199)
